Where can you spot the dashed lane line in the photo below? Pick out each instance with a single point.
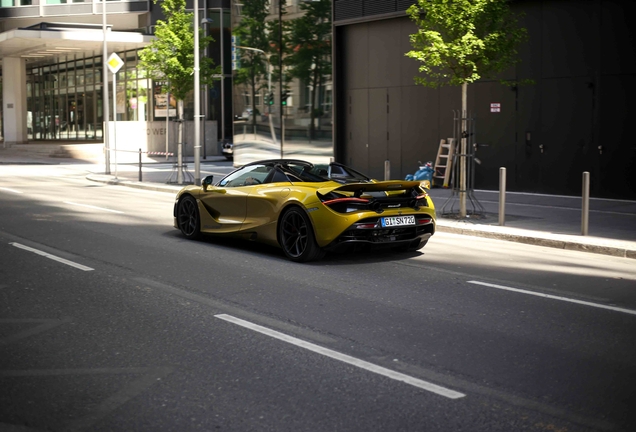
(425, 385)
(11, 190)
(53, 257)
(93, 207)
(553, 297)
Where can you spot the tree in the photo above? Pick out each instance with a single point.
(251, 32)
(170, 57)
(310, 56)
(459, 42)
(278, 39)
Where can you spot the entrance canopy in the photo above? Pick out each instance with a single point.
(67, 106)
(44, 44)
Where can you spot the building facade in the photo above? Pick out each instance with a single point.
(575, 117)
(53, 77)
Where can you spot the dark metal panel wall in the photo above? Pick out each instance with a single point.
(351, 9)
(378, 139)
(570, 37)
(357, 129)
(617, 161)
(495, 130)
(419, 122)
(566, 123)
(356, 60)
(394, 131)
(582, 59)
(384, 58)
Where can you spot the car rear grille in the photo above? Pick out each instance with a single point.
(370, 231)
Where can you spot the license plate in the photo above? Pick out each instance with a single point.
(398, 221)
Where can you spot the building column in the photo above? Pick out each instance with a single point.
(14, 98)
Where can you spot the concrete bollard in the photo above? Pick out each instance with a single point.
(585, 205)
(387, 169)
(502, 196)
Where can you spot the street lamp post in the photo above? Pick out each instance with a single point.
(280, 72)
(106, 114)
(197, 99)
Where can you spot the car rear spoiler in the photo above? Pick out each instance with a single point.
(385, 186)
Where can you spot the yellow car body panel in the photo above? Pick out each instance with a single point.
(253, 211)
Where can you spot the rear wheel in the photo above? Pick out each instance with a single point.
(188, 217)
(296, 236)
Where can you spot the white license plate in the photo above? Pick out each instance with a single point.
(398, 221)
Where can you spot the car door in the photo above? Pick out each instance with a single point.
(226, 202)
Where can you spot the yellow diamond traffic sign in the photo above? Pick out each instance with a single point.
(114, 62)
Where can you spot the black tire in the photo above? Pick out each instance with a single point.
(296, 236)
(188, 219)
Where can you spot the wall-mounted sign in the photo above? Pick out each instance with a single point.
(495, 107)
(164, 107)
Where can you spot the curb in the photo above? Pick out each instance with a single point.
(620, 252)
(100, 178)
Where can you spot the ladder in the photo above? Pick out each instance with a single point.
(444, 161)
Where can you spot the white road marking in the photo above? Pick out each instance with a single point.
(53, 257)
(442, 391)
(11, 190)
(553, 297)
(92, 207)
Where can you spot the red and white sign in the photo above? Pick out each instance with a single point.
(495, 107)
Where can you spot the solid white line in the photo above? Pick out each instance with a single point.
(596, 305)
(93, 207)
(11, 190)
(442, 391)
(53, 257)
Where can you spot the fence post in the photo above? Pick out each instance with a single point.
(139, 164)
(502, 196)
(585, 207)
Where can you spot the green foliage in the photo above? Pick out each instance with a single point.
(310, 39)
(461, 41)
(170, 56)
(251, 32)
(279, 45)
(310, 55)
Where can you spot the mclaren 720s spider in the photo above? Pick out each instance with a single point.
(308, 209)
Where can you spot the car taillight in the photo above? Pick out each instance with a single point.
(345, 201)
(345, 204)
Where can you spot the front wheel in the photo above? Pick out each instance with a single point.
(188, 217)
(296, 236)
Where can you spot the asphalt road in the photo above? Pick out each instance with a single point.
(111, 321)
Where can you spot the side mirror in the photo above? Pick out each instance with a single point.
(207, 181)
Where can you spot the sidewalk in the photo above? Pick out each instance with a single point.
(544, 220)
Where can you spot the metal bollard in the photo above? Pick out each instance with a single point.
(502, 196)
(139, 164)
(387, 169)
(585, 207)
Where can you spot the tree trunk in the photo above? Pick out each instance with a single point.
(253, 104)
(462, 157)
(312, 109)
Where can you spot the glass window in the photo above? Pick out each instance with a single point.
(246, 176)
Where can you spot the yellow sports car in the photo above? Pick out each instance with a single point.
(308, 209)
